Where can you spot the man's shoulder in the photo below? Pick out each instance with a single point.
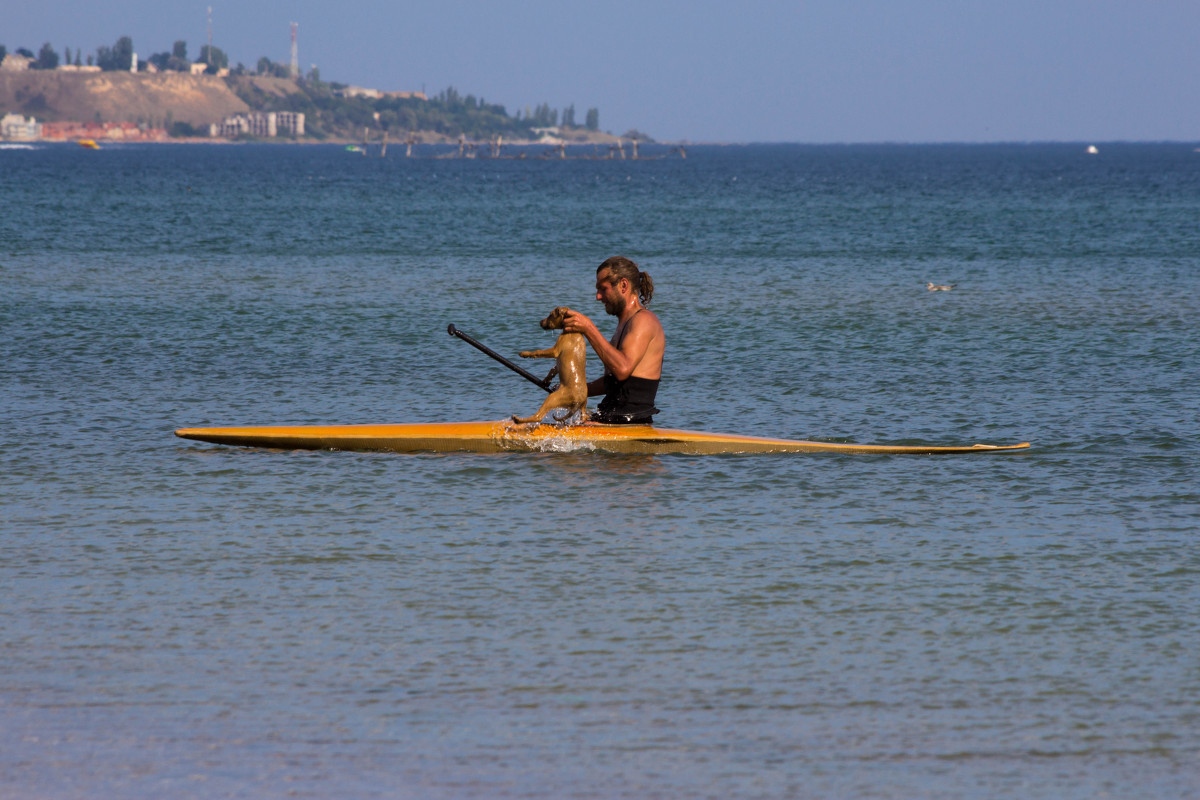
(646, 317)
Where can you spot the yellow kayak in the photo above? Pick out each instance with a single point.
(504, 436)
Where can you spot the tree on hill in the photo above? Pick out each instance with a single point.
(160, 61)
(119, 57)
(47, 58)
(272, 69)
(214, 57)
(593, 119)
(176, 60)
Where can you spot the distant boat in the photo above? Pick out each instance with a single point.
(943, 287)
(1092, 149)
(89, 144)
(353, 148)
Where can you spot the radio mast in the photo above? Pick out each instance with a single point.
(209, 54)
(295, 58)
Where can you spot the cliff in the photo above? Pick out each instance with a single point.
(154, 99)
(159, 100)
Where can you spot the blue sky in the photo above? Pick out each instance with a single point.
(750, 71)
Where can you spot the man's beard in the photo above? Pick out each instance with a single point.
(612, 308)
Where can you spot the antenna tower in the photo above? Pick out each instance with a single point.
(295, 57)
(209, 54)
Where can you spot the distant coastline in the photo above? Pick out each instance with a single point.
(69, 104)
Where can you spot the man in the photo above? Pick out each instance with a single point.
(633, 358)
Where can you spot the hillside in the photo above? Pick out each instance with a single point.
(155, 99)
(175, 100)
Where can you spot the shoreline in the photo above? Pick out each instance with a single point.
(433, 140)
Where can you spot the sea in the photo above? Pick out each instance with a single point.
(188, 620)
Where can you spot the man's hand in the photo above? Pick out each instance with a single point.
(575, 322)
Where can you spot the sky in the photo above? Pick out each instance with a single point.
(813, 71)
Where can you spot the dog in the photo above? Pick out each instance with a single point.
(570, 350)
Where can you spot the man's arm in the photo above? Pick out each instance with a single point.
(620, 362)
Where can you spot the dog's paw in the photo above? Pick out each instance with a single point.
(572, 417)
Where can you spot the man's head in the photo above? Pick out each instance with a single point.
(617, 279)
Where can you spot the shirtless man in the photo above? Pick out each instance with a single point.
(633, 359)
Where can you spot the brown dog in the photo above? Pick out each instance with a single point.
(570, 349)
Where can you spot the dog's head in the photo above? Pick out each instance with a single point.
(555, 320)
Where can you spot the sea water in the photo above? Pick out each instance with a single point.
(189, 620)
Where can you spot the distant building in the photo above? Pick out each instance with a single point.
(230, 127)
(291, 122)
(14, 126)
(200, 68)
(14, 62)
(358, 91)
(262, 125)
(78, 68)
(375, 94)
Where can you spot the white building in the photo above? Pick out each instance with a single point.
(358, 91)
(230, 127)
(290, 121)
(14, 126)
(14, 62)
(262, 125)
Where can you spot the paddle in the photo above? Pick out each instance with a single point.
(529, 376)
